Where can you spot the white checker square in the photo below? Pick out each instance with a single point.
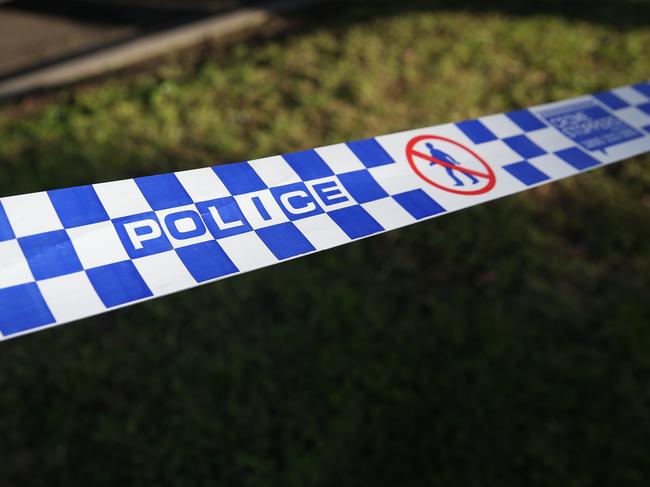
(121, 198)
(634, 117)
(30, 214)
(97, 244)
(202, 184)
(71, 297)
(13, 265)
(185, 225)
(164, 273)
(389, 213)
(340, 158)
(247, 251)
(550, 139)
(270, 212)
(497, 153)
(395, 144)
(322, 232)
(396, 178)
(274, 171)
(553, 166)
(630, 95)
(501, 126)
(451, 131)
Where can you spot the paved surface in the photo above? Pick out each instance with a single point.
(34, 34)
(50, 50)
(169, 4)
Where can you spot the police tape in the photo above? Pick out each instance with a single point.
(71, 253)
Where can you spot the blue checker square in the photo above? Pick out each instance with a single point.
(141, 234)
(523, 146)
(355, 221)
(476, 131)
(308, 165)
(643, 88)
(525, 172)
(50, 254)
(206, 260)
(525, 120)
(118, 283)
(223, 217)
(644, 107)
(163, 191)
(362, 186)
(77, 206)
(577, 158)
(239, 178)
(23, 308)
(6, 232)
(296, 201)
(611, 100)
(647, 128)
(284, 240)
(418, 204)
(370, 153)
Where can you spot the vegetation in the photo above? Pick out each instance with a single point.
(508, 344)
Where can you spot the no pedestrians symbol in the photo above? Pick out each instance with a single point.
(449, 165)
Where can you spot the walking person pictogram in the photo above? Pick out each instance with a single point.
(443, 156)
(465, 172)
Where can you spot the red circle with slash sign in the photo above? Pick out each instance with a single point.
(471, 168)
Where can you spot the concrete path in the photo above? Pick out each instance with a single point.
(41, 51)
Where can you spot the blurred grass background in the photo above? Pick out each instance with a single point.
(507, 344)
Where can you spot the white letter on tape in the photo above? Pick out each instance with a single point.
(137, 233)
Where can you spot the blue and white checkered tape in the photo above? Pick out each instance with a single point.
(72, 253)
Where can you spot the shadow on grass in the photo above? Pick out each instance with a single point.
(619, 14)
(486, 345)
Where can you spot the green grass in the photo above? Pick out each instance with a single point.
(508, 344)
